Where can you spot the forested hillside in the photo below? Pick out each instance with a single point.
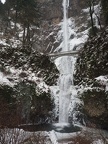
(25, 73)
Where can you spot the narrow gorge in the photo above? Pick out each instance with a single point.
(54, 71)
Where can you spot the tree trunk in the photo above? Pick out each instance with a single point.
(91, 16)
(28, 33)
(24, 35)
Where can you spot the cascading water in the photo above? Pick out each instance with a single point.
(65, 27)
(68, 99)
(66, 71)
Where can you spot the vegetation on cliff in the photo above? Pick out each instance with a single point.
(92, 75)
(92, 61)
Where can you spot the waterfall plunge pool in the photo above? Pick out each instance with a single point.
(58, 127)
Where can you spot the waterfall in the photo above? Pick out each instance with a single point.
(65, 70)
(65, 27)
(67, 96)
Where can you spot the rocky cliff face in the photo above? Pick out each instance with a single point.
(92, 75)
(52, 15)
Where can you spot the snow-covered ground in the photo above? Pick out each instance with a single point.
(103, 80)
(19, 136)
(14, 77)
(4, 80)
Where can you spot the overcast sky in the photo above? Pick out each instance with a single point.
(3, 1)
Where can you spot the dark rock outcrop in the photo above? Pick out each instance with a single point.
(24, 103)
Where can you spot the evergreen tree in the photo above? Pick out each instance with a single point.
(25, 12)
(28, 15)
(1, 8)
